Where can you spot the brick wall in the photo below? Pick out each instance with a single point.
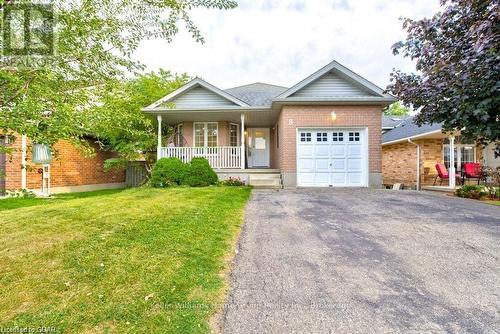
(293, 117)
(68, 168)
(399, 161)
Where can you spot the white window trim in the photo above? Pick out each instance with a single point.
(238, 139)
(458, 154)
(205, 133)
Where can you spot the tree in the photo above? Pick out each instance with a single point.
(122, 126)
(49, 98)
(397, 109)
(458, 64)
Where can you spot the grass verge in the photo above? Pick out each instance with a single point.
(138, 260)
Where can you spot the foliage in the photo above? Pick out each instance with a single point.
(200, 174)
(23, 193)
(457, 57)
(232, 181)
(50, 97)
(122, 262)
(122, 126)
(167, 172)
(397, 109)
(472, 191)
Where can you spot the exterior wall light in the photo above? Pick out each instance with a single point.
(333, 116)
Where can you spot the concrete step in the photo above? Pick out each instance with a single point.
(265, 181)
(264, 177)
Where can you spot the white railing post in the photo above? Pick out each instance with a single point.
(242, 139)
(451, 170)
(158, 151)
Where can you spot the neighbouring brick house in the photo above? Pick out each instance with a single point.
(399, 151)
(70, 170)
(325, 131)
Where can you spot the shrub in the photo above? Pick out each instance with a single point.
(200, 174)
(233, 181)
(168, 172)
(471, 191)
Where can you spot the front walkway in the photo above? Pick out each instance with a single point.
(365, 261)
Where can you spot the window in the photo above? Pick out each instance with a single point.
(234, 134)
(305, 136)
(205, 134)
(338, 136)
(353, 136)
(321, 136)
(463, 153)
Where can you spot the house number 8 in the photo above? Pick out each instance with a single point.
(290, 121)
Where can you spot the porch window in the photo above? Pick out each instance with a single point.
(205, 134)
(234, 134)
(464, 152)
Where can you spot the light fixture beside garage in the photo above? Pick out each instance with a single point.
(333, 116)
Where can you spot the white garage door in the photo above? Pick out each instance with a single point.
(332, 158)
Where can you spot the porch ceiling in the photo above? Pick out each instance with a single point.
(253, 117)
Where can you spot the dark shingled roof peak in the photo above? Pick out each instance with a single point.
(257, 94)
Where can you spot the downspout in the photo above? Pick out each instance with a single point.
(418, 162)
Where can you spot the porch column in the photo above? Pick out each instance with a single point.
(451, 171)
(242, 139)
(158, 150)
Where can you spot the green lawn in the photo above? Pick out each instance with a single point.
(137, 260)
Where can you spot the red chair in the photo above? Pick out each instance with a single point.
(443, 174)
(471, 170)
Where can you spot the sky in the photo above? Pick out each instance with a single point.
(283, 41)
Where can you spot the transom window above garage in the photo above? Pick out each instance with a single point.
(338, 136)
(353, 136)
(321, 136)
(305, 136)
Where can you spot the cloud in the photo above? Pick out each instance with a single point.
(283, 41)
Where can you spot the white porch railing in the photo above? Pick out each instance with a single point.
(218, 157)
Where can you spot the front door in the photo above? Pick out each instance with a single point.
(258, 147)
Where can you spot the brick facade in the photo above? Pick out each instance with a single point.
(69, 168)
(293, 117)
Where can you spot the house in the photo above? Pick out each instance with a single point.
(70, 170)
(402, 144)
(325, 131)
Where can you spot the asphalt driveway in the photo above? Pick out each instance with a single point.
(365, 261)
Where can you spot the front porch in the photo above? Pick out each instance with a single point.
(225, 142)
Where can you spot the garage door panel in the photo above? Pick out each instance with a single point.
(322, 151)
(339, 179)
(322, 179)
(338, 165)
(322, 165)
(354, 164)
(338, 151)
(355, 178)
(306, 165)
(305, 151)
(354, 150)
(305, 179)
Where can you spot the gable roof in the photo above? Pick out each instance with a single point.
(342, 72)
(196, 85)
(257, 94)
(392, 121)
(408, 129)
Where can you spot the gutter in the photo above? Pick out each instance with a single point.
(405, 139)
(418, 162)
